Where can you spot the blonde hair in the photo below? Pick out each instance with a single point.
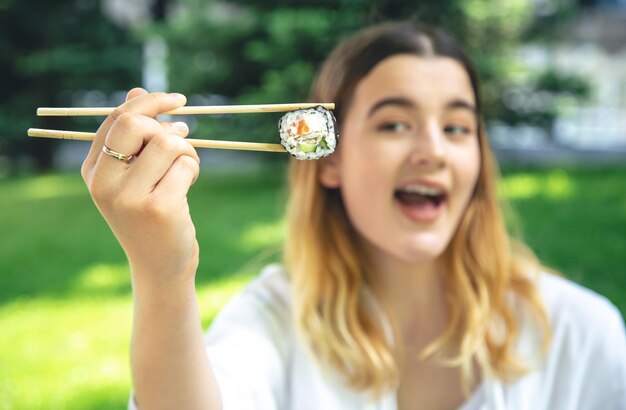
(485, 266)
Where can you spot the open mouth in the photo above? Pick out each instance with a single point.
(416, 195)
(421, 203)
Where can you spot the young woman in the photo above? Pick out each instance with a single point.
(401, 288)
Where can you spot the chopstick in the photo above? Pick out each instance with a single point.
(89, 136)
(189, 110)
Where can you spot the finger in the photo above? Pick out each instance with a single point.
(127, 136)
(155, 161)
(131, 132)
(178, 128)
(149, 105)
(93, 154)
(178, 179)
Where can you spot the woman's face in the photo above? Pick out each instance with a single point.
(408, 157)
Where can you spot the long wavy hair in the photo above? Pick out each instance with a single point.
(486, 268)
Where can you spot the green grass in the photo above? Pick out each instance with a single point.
(65, 303)
(575, 221)
(65, 306)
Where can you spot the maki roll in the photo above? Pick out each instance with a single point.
(309, 133)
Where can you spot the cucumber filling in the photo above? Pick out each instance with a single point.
(308, 147)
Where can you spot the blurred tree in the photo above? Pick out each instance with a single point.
(244, 51)
(539, 101)
(545, 92)
(262, 51)
(48, 51)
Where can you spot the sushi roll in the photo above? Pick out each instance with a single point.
(309, 133)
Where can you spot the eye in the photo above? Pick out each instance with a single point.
(456, 130)
(393, 126)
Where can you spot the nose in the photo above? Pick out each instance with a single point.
(428, 148)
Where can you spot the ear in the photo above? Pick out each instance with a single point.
(329, 173)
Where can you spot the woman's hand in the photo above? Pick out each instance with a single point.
(144, 201)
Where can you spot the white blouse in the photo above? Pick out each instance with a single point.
(261, 364)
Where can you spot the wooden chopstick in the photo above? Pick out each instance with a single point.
(189, 110)
(89, 136)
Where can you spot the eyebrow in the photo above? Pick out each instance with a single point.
(406, 103)
(454, 104)
(399, 101)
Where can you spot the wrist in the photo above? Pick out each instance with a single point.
(163, 292)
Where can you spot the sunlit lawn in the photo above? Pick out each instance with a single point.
(65, 308)
(576, 222)
(65, 291)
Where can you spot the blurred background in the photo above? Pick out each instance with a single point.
(553, 81)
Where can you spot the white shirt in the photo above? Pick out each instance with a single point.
(261, 364)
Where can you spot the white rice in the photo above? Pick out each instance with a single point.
(322, 127)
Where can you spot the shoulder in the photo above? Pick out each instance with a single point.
(586, 362)
(250, 343)
(272, 287)
(577, 310)
(264, 303)
(585, 365)
(584, 325)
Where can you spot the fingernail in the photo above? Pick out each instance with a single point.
(178, 96)
(181, 126)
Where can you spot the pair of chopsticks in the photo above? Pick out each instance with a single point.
(188, 110)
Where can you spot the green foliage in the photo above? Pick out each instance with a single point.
(544, 96)
(268, 51)
(244, 51)
(556, 91)
(547, 23)
(48, 50)
(559, 83)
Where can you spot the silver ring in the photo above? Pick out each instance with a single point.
(117, 155)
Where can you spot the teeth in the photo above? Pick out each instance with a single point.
(421, 189)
